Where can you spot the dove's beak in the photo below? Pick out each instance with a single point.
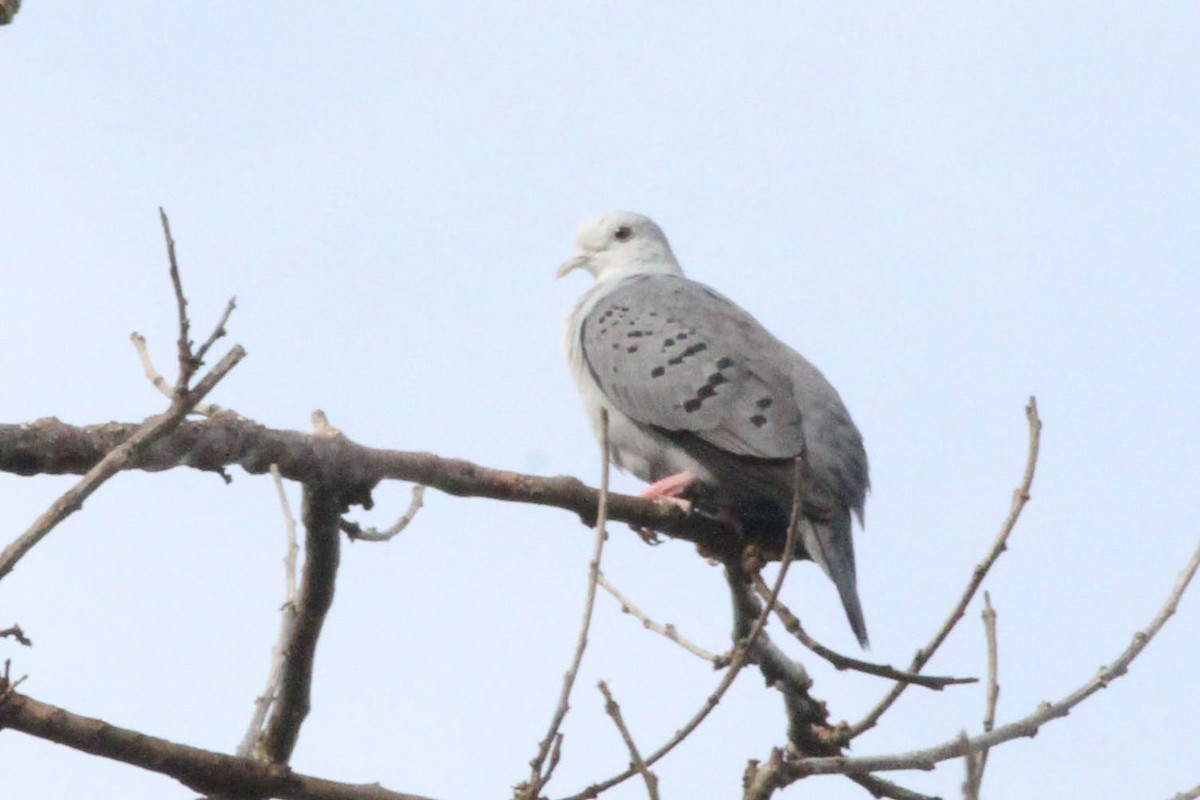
(575, 263)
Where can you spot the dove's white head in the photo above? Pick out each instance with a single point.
(621, 243)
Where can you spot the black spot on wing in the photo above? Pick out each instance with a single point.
(688, 352)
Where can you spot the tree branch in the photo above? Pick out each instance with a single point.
(843, 662)
(668, 630)
(929, 757)
(539, 771)
(322, 509)
(201, 770)
(121, 455)
(50, 447)
(1020, 498)
(635, 757)
(264, 702)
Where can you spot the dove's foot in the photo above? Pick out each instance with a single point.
(671, 489)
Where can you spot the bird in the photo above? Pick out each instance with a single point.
(704, 403)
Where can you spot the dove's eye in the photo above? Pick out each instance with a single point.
(623, 233)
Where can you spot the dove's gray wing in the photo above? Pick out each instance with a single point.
(674, 354)
(699, 378)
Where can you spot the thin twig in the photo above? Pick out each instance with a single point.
(287, 624)
(18, 634)
(740, 655)
(614, 711)
(153, 428)
(152, 374)
(187, 362)
(217, 332)
(971, 763)
(1020, 498)
(539, 776)
(160, 383)
(183, 400)
(357, 533)
(993, 687)
(1027, 726)
(843, 662)
(668, 630)
(7, 684)
(878, 787)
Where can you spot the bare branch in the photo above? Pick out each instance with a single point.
(118, 458)
(667, 630)
(152, 374)
(754, 643)
(187, 362)
(217, 332)
(201, 770)
(974, 776)
(538, 777)
(993, 687)
(878, 787)
(1020, 498)
(357, 533)
(929, 757)
(18, 634)
(614, 711)
(50, 447)
(159, 382)
(287, 626)
(322, 508)
(843, 662)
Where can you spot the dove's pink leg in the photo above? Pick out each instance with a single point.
(670, 488)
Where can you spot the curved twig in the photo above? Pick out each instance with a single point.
(539, 773)
(1020, 498)
(929, 757)
(843, 662)
(740, 657)
(667, 630)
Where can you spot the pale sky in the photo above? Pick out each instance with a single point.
(947, 207)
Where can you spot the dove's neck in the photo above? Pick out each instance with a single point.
(650, 263)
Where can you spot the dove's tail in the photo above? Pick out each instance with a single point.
(828, 543)
(825, 540)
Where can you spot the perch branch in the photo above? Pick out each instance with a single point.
(50, 447)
